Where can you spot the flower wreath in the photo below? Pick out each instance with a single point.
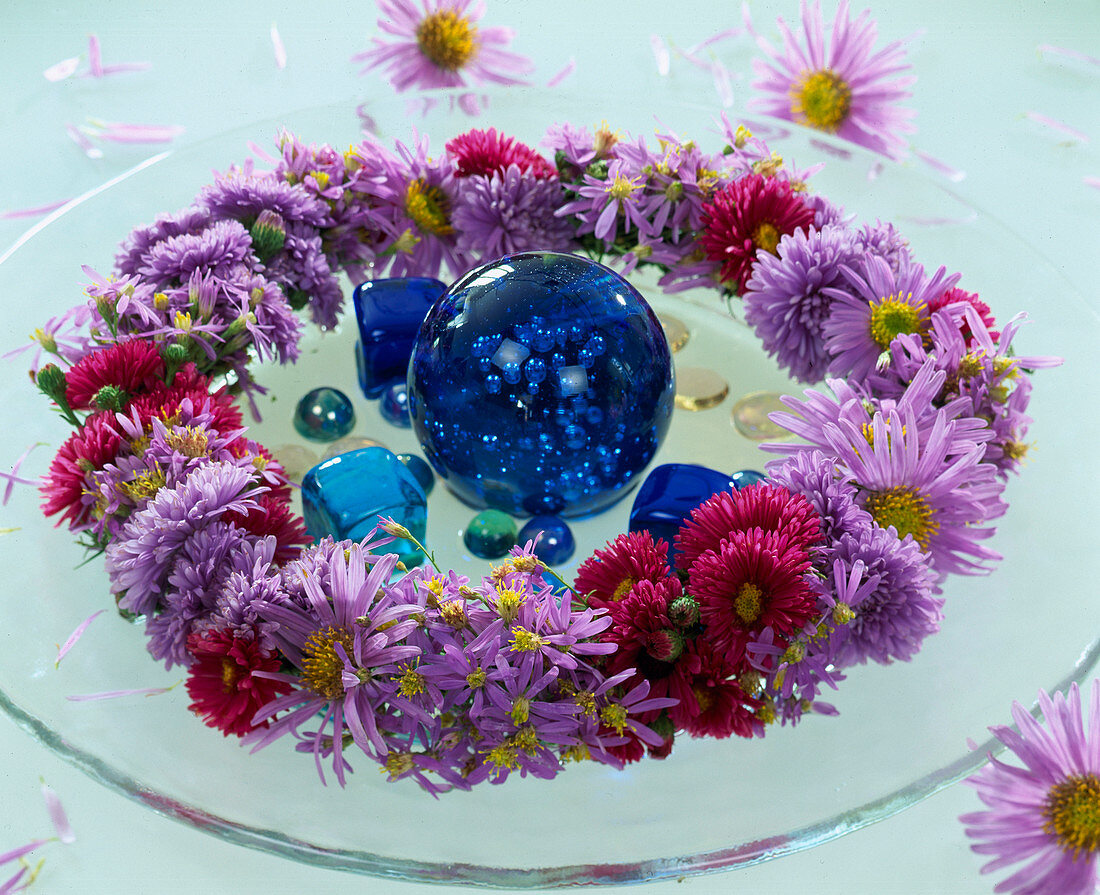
(835, 559)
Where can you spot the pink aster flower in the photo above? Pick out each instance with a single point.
(437, 44)
(837, 83)
(1044, 813)
(610, 574)
(489, 152)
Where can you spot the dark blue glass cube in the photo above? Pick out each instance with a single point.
(669, 494)
(346, 495)
(389, 313)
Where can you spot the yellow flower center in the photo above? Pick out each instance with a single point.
(190, 442)
(893, 316)
(508, 603)
(144, 487)
(614, 716)
(504, 756)
(621, 188)
(428, 207)
(322, 667)
(521, 710)
(411, 682)
(622, 589)
(476, 679)
(231, 673)
(747, 603)
(1072, 813)
(766, 237)
(447, 39)
(821, 99)
(907, 511)
(398, 763)
(524, 641)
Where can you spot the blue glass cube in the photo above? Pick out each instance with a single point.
(345, 496)
(389, 313)
(669, 494)
(541, 384)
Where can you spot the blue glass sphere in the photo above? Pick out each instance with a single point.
(541, 384)
(394, 405)
(555, 544)
(324, 414)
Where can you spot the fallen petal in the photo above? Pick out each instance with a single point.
(35, 212)
(567, 70)
(115, 694)
(280, 50)
(660, 53)
(1076, 55)
(95, 61)
(1092, 181)
(22, 850)
(942, 167)
(59, 71)
(1039, 118)
(58, 817)
(74, 637)
(81, 139)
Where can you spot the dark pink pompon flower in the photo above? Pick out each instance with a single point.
(1043, 815)
(837, 83)
(437, 44)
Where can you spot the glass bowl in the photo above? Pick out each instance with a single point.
(902, 731)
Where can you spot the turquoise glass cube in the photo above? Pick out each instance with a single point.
(346, 496)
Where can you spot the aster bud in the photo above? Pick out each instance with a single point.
(110, 397)
(51, 382)
(46, 340)
(741, 136)
(268, 234)
(395, 528)
(665, 645)
(683, 612)
(238, 325)
(296, 298)
(175, 353)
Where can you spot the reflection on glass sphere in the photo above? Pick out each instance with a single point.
(541, 384)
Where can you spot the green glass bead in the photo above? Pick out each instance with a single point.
(490, 534)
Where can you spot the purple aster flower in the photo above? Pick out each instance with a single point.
(302, 268)
(242, 196)
(414, 199)
(510, 212)
(877, 306)
(790, 294)
(437, 43)
(837, 83)
(932, 487)
(134, 252)
(347, 644)
(200, 568)
(140, 559)
(886, 242)
(217, 249)
(816, 476)
(254, 576)
(1043, 814)
(893, 605)
(606, 202)
(826, 214)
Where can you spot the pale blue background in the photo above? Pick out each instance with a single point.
(213, 68)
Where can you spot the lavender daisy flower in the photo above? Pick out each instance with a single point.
(877, 306)
(1043, 814)
(140, 558)
(885, 241)
(510, 212)
(439, 45)
(602, 201)
(347, 643)
(891, 607)
(790, 294)
(837, 83)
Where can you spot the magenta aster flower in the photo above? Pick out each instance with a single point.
(1045, 813)
(838, 84)
(489, 152)
(437, 44)
(609, 574)
(746, 216)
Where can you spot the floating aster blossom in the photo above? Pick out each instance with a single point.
(439, 45)
(785, 298)
(747, 216)
(838, 84)
(1044, 813)
(509, 212)
(877, 307)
